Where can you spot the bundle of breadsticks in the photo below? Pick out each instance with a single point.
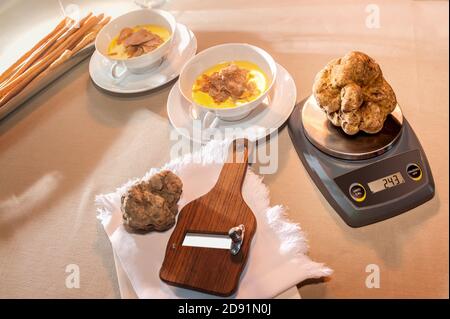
(65, 40)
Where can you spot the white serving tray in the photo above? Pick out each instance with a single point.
(35, 86)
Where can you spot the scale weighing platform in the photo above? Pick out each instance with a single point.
(366, 178)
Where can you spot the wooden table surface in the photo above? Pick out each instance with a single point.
(73, 141)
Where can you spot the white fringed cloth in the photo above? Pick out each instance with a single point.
(278, 257)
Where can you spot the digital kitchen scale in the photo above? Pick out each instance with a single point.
(366, 178)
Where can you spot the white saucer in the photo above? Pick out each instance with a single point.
(184, 47)
(262, 121)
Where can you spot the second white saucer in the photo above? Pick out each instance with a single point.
(262, 121)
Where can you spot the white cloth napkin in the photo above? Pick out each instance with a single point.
(277, 259)
(127, 291)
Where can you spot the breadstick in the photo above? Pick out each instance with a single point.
(34, 56)
(100, 17)
(8, 72)
(69, 30)
(20, 82)
(75, 26)
(82, 21)
(51, 56)
(63, 58)
(90, 37)
(101, 24)
(24, 66)
(81, 32)
(51, 59)
(86, 40)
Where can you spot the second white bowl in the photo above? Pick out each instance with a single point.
(224, 53)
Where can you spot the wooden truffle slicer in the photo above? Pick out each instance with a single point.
(222, 212)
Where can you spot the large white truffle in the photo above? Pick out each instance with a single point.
(354, 94)
(152, 205)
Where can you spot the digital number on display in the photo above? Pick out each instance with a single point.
(386, 182)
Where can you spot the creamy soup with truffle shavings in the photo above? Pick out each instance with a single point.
(229, 84)
(138, 40)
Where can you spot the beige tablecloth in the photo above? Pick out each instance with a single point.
(73, 141)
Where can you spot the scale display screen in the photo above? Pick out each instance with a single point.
(386, 182)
